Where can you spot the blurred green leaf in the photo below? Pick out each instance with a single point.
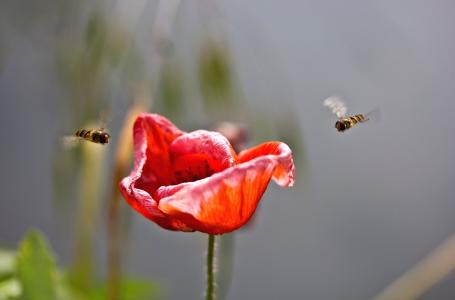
(215, 74)
(131, 289)
(7, 263)
(10, 289)
(171, 90)
(35, 268)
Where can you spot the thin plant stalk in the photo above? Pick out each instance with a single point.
(210, 290)
(90, 188)
(121, 162)
(436, 266)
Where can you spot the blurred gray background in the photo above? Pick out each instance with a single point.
(371, 202)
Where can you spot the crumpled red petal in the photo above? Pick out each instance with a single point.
(227, 200)
(199, 154)
(284, 173)
(152, 135)
(195, 181)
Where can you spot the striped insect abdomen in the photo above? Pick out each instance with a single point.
(97, 136)
(357, 118)
(82, 133)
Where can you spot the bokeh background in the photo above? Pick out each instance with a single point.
(368, 204)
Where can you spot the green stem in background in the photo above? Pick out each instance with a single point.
(114, 231)
(82, 271)
(210, 291)
(421, 278)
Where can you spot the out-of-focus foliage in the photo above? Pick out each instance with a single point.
(32, 273)
(130, 289)
(35, 268)
(7, 259)
(82, 272)
(9, 286)
(9, 289)
(87, 63)
(91, 62)
(171, 99)
(97, 63)
(215, 75)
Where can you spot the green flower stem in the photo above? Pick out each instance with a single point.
(210, 291)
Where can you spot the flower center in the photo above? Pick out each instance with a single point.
(200, 154)
(192, 167)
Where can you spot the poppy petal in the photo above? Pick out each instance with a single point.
(226, 200)
(199, 154)
(143, 203)
(195, 181)
(152, 136)
(284, 173)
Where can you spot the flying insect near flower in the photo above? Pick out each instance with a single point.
(93, 132)
(97, 136)
(94, 135)
(338, 107)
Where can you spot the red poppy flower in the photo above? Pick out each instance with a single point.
(196, 181)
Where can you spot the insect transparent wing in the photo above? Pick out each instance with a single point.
(105, 117)
(374, 115)
(336, 106)
(70, 141)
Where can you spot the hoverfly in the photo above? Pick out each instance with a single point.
(337, 106)
(93, 132)
(94, 135)
(97, 136)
